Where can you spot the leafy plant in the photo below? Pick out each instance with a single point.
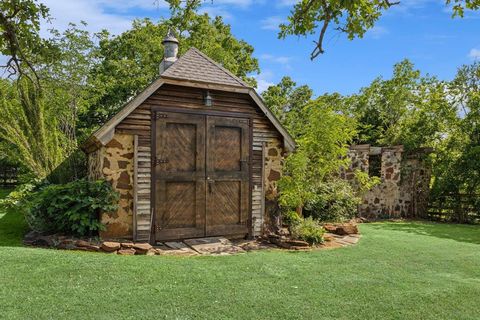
(323, 142)
(333, 201)
(71, 208)
(290, 217)
(308, 230)
(17, 198)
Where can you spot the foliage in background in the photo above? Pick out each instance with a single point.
(408, 109)
(16, 199)
(287, 100)
(20, 39)
(456, 167)
(71, 208)
(29, 123)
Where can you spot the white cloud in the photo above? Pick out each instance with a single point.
(407, 5)
(216, 11)
(377, 32)
(474, 54)
(283, 60)
(272, 23)
(263, 85)
(237, 3)
(102, 14)
(287, 3)
(264, 80)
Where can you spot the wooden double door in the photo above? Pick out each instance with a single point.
(201, 175)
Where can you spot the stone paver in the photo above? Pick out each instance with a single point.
(176, 248)
(213, 245)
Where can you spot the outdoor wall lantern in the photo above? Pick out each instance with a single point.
(208, 99)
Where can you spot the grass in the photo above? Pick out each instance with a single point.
(398, 271)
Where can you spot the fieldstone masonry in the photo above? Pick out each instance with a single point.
(274, 161)
(114, 163)
(273, 168)
(404, 187)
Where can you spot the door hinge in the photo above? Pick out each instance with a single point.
(160, 161)
(159, 115)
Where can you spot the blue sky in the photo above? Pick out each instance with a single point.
(420, 30)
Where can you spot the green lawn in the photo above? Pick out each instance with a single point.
(397, 271)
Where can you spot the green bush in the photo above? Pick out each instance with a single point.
(308, 230)
(332, 201)
(290, 217)
(71, 208)
(16, 199)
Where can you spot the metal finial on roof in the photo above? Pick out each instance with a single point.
(170, 37)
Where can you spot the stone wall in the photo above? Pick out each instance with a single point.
(404, 186)
(117, 168)
(274, 161)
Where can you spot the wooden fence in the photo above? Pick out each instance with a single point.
(458, 207)
(8, 176)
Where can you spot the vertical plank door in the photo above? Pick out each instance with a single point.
(179, 174)
(227, 176)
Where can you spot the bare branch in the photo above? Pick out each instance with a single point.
(319, 44)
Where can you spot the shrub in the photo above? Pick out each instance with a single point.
(308, 230)
(16, 199)
(332, 201)
(71, 208)
(290, 217)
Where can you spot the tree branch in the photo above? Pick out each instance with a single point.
(319, 44)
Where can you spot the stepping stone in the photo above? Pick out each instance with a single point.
(213, 245)
(175, 248)
(249, 245)
(351, 240)
(176, 245)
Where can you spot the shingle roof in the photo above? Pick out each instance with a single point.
(196, 66)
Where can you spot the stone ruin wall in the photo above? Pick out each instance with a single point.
(403, 190)
(114, 163)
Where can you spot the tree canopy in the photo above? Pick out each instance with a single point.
(20, 37)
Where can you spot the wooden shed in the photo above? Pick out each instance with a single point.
(196, 154)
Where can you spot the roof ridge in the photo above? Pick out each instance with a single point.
(219, 66)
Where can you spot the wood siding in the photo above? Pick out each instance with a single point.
(139, 123)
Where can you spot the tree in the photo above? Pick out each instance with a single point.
(39, 123)
(287, 101)
(352, 17)
(65, 79)
(29, 124)
(457, 164)
(20, 39)
(322, 147)
(408, 109)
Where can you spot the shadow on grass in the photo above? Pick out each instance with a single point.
(458, 232)
(12, 229)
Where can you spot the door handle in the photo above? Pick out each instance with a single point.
(211, 183)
